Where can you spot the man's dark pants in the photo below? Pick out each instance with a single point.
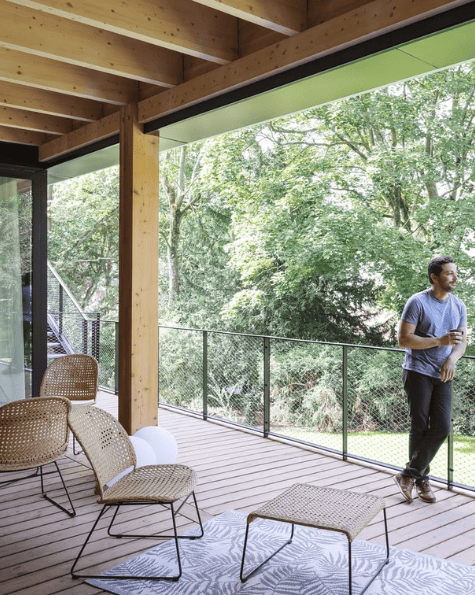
(430, 402)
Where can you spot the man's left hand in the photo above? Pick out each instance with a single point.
(448, 370)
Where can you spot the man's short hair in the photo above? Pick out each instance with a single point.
(436, 265)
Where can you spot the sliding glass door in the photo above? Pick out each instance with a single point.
(15, 289)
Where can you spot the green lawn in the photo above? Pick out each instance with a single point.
(391, 448)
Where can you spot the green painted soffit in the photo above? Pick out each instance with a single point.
(403, 62)
(406, 61)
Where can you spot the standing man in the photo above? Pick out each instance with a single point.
(433, 331)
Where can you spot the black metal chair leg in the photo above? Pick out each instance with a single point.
(175, 578)
(72, 512)
(244, 578)
(175, 536)
(73, 574)
(74, 447)
(199, 519)
(15, 479)
(155, 536)
(112, 522)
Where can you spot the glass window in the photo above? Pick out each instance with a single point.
(15, 289)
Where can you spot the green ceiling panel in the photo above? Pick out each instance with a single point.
(351, 79)
(446, 48)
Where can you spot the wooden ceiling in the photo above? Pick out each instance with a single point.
(67, 67)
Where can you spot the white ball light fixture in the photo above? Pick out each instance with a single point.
(143, 451)
(162, 442)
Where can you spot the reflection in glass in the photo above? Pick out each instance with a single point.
(15, 289)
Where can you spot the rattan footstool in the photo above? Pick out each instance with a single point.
(322, 508)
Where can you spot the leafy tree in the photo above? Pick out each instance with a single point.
(318, 225)
(194, 228)
(83, 238)
(337, 210)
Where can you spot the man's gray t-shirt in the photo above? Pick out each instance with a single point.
(432, 318)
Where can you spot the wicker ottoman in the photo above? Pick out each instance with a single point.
(322, 508)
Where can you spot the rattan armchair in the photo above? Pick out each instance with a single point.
(34, 433)
(111, 453)
(74, 376)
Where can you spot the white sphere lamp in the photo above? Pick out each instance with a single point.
(162, 442)
(145, 456)
(143, 451)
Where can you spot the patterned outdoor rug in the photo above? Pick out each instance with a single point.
(315, 563)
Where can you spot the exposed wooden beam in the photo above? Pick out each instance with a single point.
(21, 137)
(146, 90)
(46, 102)
(35, 71)
(284, 16)
(253, 38)
(17, 118)
(195, 67)
(87, 135)
(320, 11)
(138, 274)
(179, 25)
(49, 36)
(369, 21)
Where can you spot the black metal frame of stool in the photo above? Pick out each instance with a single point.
(381, 566)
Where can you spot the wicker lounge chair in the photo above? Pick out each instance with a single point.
(111, 453)
(74, 377)
(34, 433)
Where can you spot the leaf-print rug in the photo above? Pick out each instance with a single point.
(315, 563)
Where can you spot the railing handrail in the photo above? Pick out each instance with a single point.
(357, 345)
(66, 290)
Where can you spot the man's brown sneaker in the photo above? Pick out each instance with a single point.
(406, 485)
(425, 492)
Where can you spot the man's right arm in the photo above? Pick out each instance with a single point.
(408, 339)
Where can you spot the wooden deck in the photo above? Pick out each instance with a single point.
(237, 470)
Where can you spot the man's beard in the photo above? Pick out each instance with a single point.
(449, 288)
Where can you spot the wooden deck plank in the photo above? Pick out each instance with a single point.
(237, 470)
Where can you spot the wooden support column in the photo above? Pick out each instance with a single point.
(138, 274)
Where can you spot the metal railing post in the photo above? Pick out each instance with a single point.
(96, 325)
(205, 375)
(450, 457)
(345, 402)
(60, 305)
(93, 338)
(116, 362)
(84, 335)
(266, 386)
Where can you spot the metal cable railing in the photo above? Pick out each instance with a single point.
(343, 398)
(71, 330)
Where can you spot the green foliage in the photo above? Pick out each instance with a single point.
(181, 368)
(306, 385)
(337, 210)
(318, 225)
(83, 241)
(463, 399)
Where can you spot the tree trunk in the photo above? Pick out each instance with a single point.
(173, 258)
